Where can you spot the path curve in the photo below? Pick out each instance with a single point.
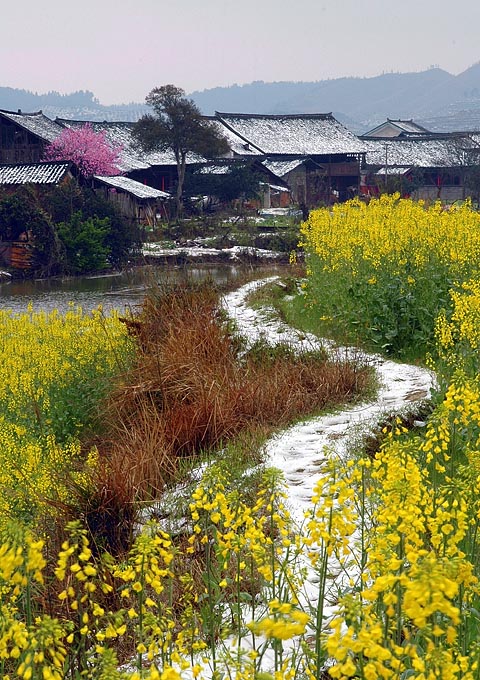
(300, 450)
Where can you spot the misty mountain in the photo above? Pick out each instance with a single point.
(360, 103)
(80, 105)
(434, 98)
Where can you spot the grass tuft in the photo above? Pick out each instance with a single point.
(191, 391)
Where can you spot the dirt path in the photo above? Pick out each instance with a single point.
(300, 450)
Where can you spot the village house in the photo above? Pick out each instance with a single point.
(139, 203)
(316, 155)
(18, 253)
(430, 166)
(24, 136)
(157, 169)
(308, 159)
(273, 192)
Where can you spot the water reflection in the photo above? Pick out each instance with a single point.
(121, 291)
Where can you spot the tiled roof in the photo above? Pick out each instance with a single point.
(297, 134)
(132, 157)
(394, 128)
(214, 169)
(281, 168)
(132, 187)
(222, 166)
(36, 123)
(239, 146)
(33, 173)
(392, 171)
(422, 152)
(408, 126)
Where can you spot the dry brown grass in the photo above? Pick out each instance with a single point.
(191, 391)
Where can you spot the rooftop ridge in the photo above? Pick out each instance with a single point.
(276, 116)
(34, 163)
(19, 112)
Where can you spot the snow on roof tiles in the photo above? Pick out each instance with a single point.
(392, 171)
(131, 186)
(408, 126)
(394, 128)
(297, 134)
(281, 168)
(36, 123)
(33, 173)
(120, 133)
(426, 152)
(239, 146)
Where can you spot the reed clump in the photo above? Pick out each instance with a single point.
(195, 385)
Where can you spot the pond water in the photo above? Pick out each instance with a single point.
(122, 291)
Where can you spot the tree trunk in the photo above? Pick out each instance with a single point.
(181, 162)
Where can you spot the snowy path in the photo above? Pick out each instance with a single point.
(300, 450)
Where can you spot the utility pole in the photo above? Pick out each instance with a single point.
(386, 166)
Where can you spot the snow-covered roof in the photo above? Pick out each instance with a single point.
(423, 152)
(281, 168)
(475, 139)
(239, 146)
(132, 156)
(294, 134)
(389, 170)
(394, 128)
(33, 173)
(132, 186)
(214, 169)
(36, 123)
(276, 187)
(408, 126)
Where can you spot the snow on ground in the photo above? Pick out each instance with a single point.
(299, 450)
(199, 252)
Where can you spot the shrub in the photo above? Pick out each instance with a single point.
(85, 244)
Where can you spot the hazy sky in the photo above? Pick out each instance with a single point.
(121, 49)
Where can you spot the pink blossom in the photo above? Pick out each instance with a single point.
(91, 151)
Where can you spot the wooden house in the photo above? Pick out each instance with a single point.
(157, 169)
(23, 136)
(18, 254)
(139, 203)
(273, 191)
(431, 167)
(307, 180)
(324, 157)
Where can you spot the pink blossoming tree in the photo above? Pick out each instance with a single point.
(91, 151)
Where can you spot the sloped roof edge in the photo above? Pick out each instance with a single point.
(48, 172)
(131, 186)
(236, 132)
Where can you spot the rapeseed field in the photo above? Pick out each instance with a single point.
(382, 580)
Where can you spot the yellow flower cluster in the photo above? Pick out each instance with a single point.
(458, 334)
(388, 267)
(52, 369)
(394, 230)
(419, 580)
